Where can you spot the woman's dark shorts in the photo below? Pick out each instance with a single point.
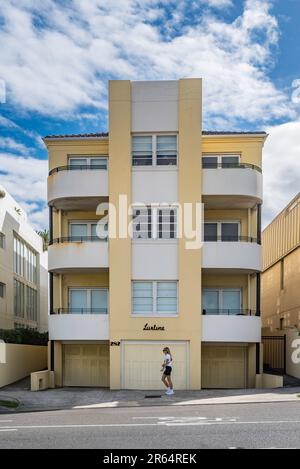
(168, 371)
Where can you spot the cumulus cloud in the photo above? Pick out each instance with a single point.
(281, 168)
(58, 56)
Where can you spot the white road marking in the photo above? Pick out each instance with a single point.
(8, 430)
(114, 425)
(6, 421)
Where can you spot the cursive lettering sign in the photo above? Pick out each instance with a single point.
(153, 328)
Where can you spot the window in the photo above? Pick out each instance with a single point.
(80, 231)
(88, 162)
(221, 301)
(25, 260)
(88, 300)
(154, 150)
(2, 290)
(2, 240)
(151, 298)
(220, 161)
(222, 231)
(154, 223)
(25, 301)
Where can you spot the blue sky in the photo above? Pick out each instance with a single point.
(57, 56)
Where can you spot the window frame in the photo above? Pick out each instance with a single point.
(88, 159)
(219, 229)
(154, 226)
(2, 240)
(220, 157)
(88, 223)
(220, 291)
(2, 290)
(154, 151)
(155, 312)
(88, 291)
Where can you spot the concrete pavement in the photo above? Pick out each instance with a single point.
(90, 398)
(272, 425)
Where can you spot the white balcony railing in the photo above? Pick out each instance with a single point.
(232, 255)
(231, 328)
(78, 327)
(65, 254)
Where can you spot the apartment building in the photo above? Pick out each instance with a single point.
(23, 270)
(281, 273)
(117, 300)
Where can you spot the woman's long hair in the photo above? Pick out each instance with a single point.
(169, 352)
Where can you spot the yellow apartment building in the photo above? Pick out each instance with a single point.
(281, 272)
(117, 300)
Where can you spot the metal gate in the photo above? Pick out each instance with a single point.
(275, 354)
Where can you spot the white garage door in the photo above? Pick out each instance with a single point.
(223, 367)
(141, 365)
(86, 365)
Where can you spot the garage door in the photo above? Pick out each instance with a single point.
(223, 367)
(142, 364)
(86, 365)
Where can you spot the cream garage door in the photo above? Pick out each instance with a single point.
(141, 365)
(223, 367)
(86, 365)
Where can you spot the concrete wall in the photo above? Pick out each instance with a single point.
(20, 361)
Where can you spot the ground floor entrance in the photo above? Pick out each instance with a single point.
(85, 364)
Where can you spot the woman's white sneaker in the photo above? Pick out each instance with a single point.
(170, 392)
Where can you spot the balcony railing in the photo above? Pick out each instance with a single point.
(79, 167)
(230, 312)
(206, 165)
(230, 238)
(77, 239)
(80, 311)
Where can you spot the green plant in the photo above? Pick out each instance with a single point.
(23, 336)
(9, 404)
(44, 234)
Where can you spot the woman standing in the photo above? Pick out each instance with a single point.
(167, 367)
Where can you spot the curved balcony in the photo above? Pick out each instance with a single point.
(239, 327)
(243, 255)
(81, 187)
(78, 326)
(86, 253)
(231, 185)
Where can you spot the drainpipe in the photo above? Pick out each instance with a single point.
(51, 286)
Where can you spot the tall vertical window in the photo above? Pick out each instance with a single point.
(166, 150)
(2, 290)
(142, 150)
(25, 261)
(2, 240)
(25, 301)
(167, 223)
(154, 298)
(282, 274)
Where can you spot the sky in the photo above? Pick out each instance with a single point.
(57, 56)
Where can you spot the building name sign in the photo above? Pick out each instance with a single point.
(153, 328)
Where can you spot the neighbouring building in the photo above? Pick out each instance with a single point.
(281, 269)
(23, 270)
(116, 302)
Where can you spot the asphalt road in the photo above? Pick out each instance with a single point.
(186, 427)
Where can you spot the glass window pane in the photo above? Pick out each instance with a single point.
(73, 162)
(230, 161)
(231, 301)
(167, 297)
(99, 301)
(167, 223)
(210, 301)
(142, 301)
(209, 162)
(230, 231)
(142, 150)
(78, 301)
(210, 231)
(142, 223)
(99, 163)
(78, 230)
(166, 150)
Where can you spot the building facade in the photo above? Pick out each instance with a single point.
(117, 300)
(281, 273)
(23, 270)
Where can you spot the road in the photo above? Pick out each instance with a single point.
(186, 427)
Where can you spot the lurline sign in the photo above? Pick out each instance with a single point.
(153, 328)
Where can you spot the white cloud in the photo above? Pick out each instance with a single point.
(69, 53)
(219, 3)
(10, 144)
(281, 168)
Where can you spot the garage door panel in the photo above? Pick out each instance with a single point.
(223, 367)
(86, 365)
(142, 364)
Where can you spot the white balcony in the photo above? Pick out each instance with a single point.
(238, 256)
(89, 256)
(222, 328)
(232, 187)
(74, 188)
(78, 327)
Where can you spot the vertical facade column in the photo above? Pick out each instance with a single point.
(119, 249)
(190, 191)
(258, 275)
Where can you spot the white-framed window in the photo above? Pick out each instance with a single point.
(210, 161)
(88, 300)
(2, 240)
(154, 222)
(223, 230)
(25, 260)
(86, 230)
(151, 298)
(222, 301)
(154, 150)
(2, 290)
(87, 162)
